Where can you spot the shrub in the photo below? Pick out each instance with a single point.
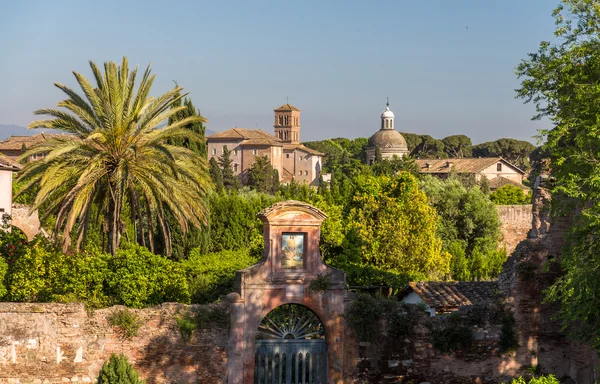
(211, 276)
(187, 326)
(364, 315)
(126, 321)
(139, 278)
(3, 269)
(510, 195)
(550, 379)
(118, 371)
(82, 279)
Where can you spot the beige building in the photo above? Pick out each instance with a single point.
(389, 141)
(498, 171)
(284, 150)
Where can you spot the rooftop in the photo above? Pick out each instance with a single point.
(465, 165)
(287, 107)
(291, 147)
(8, 164)
(448, 296)
(257, 135)
(16, 143)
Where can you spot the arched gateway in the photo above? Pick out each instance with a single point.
(283, 329)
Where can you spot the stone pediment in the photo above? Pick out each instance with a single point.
(291, 254)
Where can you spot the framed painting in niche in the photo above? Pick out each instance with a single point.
(292, 250)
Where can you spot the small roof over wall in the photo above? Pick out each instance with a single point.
(449, 296)
(280, 208)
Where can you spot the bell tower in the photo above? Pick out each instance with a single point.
(287, 124)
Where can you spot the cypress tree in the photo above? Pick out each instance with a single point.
(118, 371)
(215, 174)
(230, 180)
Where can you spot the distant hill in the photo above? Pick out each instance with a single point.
(7, 131)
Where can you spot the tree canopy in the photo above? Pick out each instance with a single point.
(560, 79)
(117, 159)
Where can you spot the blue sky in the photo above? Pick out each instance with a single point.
(446, 65)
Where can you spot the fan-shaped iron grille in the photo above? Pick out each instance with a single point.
(290, 322)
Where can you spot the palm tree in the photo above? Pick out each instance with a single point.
(117, 155)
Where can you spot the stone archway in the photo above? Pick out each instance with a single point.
(291, 261)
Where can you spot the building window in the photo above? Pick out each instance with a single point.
(299, 173)
(214, 151)
(287, 155)
(235, 152)
(2, 210)
(280, 120)
(305, 173)
(223, 149)
(499, 167)
(235, 167)
(254, 151)
(299, 158)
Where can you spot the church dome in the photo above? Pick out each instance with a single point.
(388, 138)
(387, 113)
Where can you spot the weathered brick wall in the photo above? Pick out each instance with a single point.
(56, 343)
(516, 223)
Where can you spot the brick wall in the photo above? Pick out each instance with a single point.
(56, 343)
(516, 223)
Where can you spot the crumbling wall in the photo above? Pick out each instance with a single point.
(27, 222)
(58, 343)
(516, 223)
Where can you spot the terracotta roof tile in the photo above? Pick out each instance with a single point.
(15, 143)
(262, 141)
(287, 107)
(301, 147)
(465, 165)
(243, 134)
(448, 296)
(8, 164)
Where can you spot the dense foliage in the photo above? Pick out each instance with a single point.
(393, 228)
(510, 195)
(468, 226)
(117, 370)
(561, 80)
(134, 276)
(550, 379)
(116, 163)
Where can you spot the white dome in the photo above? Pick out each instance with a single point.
(387, 113)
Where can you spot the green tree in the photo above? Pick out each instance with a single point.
(510, 195)
(230, 180)
(262, 176)
(457, 146)
(197, 126)
(117, 159)
(515, 151)
(216, 174)
(561, 80)
(469, 227)
(118, 371)
(395, 227)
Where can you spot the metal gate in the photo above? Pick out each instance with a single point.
(290, 348)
